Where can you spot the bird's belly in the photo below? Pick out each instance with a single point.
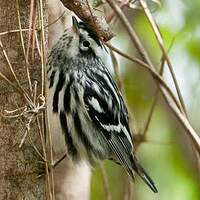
(57, 135)
(96, 146)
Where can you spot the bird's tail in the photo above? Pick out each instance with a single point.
(141, 172)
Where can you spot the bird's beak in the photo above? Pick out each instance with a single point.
(75, 25)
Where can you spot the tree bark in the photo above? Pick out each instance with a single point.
(21, 175)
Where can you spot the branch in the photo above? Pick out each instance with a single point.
(179, 113)
(160, 42)
(96, 23)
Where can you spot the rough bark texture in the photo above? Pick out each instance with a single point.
(21, 175)
(19, 168)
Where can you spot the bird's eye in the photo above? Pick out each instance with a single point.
(86, 43)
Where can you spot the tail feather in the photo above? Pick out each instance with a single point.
(141, 172)
(128, 160)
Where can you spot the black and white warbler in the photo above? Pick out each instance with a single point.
(87, 114)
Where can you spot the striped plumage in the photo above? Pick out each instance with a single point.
(85, 108)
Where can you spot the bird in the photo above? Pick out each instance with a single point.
(87, 115)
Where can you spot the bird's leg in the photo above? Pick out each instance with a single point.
(59, 160)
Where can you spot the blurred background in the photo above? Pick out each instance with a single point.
(167, 155)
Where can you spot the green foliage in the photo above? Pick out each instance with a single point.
(192, 14)
(193, 47)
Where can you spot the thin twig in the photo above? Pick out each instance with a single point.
(146, 127)
(117, 74)
(178, 111)
(35, 92)
(42, 129)
(31, 141)
(45, 119)
(160, 42)
(30, 28)
(136, 41)
(27, 131)
(23, 47)
(105, 181)
(130, 190)
(24, 110)
(156, 93)
(61, 16)
(155, 75)
(154, 103)
(51, 148)
(43, 53)
(34, 32)
(122, 90)
(13, 31)
(42, 138)
(37, 44)
(132, 34)
(36, 149)
(186, 125)
(111, 16)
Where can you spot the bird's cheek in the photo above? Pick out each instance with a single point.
(73, 51)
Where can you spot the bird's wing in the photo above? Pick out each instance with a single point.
(108, 112)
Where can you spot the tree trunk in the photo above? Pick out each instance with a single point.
(22, 173)
(22, 176)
